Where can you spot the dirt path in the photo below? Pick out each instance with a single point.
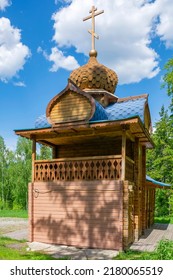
(16, 228)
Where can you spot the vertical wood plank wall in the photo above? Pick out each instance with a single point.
(80, 213)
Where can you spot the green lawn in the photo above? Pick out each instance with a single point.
(163, 220)
(14, 213)
(11, 249)
(164, 251)
(16, 250)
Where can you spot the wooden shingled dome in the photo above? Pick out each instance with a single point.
(94, 75)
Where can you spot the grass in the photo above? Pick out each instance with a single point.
(163, 220)
(164, 251)
(14, 213)
(11, 249)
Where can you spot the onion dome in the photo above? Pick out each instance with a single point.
(94, 75)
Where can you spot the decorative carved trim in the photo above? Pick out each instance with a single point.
(101, 168)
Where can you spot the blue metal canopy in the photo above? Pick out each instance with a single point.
(149, 179)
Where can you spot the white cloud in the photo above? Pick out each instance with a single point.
(126, 30)
(62, 1)
(59, 60)
(4, 4)
(20, 84)
(165, 26)
(13, 53)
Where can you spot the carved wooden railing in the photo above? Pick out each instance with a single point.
(86, 168)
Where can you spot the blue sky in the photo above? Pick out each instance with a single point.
(41, 42)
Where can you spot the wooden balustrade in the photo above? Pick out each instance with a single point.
(86, 168)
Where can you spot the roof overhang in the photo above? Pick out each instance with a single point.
(76, 132)
(156, 184)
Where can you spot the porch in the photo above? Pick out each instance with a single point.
(83, 168)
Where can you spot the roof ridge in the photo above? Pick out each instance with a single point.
(124, 99)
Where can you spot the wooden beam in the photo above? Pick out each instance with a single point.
(80, 158)
(123, 152)
(46, 143)
(33, 158)
(54, 152)
(90, 133)
(143, 202)
(130, 136)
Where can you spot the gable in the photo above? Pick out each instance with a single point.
(71, 105)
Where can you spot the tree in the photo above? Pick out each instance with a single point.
(2, 162)
(6, 158)
(15, 172)
(168, 81)
(160, 161)
(22, 176)
(45, 152)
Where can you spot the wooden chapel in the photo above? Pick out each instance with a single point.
(93, 192)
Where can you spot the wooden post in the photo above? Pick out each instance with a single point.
(30, 212)
(143, 188)
(125, 215)
(31, 204)
(136, 190)
(54, 152)
(33, 158)
(123, 153)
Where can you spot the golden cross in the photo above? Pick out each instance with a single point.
(92, 32)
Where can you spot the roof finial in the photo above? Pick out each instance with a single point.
(93, 52)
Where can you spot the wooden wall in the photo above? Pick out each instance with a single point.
(70, 107)
(130, 149)
(93, 147)
(87, 214)
(101, 146)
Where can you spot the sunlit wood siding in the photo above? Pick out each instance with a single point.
(70, 107)
(85, 214)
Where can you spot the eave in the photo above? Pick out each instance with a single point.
(66, 133)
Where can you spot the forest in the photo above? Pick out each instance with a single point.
(15, 166)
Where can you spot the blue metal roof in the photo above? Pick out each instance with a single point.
(100, 113)
(118, 111)
(127, 109)
(149, 179)
(41, 122)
